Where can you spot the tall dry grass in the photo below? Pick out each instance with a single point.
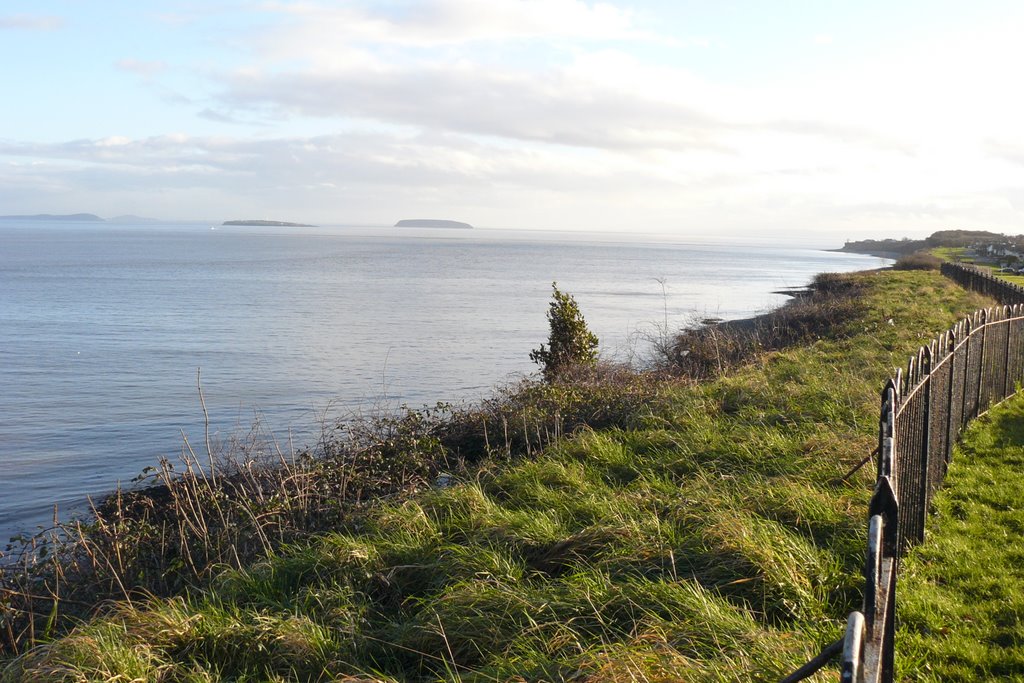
(824, 310)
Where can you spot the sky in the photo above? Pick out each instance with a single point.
(837, 120)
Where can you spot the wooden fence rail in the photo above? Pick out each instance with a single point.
(956, 378)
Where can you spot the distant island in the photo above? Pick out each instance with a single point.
(275, 224)
(79, 217)
(431, 223)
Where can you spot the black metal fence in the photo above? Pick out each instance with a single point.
(958, 376)
(979, 280)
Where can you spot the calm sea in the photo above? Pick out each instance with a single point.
(103, 328)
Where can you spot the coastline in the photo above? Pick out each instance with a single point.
(796, 294)
(334, 354)
(145, 497)
(567, 515)
(879, 253)
(149, 495)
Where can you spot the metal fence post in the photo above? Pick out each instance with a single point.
(925, 370)
(968, 339)
(951, 342)
(1006, 355)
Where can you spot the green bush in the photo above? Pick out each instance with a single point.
(570, 343)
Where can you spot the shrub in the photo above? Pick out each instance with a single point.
(570, 343)
(919, 260)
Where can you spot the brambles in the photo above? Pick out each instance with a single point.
(570, 343)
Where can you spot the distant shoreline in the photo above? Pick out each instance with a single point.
(879, 253)
(262, 224)
(432, 223)
(71, 218)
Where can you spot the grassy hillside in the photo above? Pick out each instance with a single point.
(696, 534)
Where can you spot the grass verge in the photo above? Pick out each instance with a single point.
(961, 599)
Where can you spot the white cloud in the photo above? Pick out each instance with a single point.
(146, 69)
(217, 116)
(31, 22)
(357, 158)
(552, 107)
(353, 63)
(433, 23)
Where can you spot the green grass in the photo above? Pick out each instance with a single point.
(961, 601)
(698, 540)
(1015, 279)
(957, 254)
(994, 272)
(951, 254)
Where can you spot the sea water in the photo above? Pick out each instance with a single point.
(107, 332)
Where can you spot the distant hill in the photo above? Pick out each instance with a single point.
(887, 248)
(276, 224)
(77, 217)
(892, 248)
(431, 223)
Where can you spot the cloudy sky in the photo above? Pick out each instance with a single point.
(697, 118)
